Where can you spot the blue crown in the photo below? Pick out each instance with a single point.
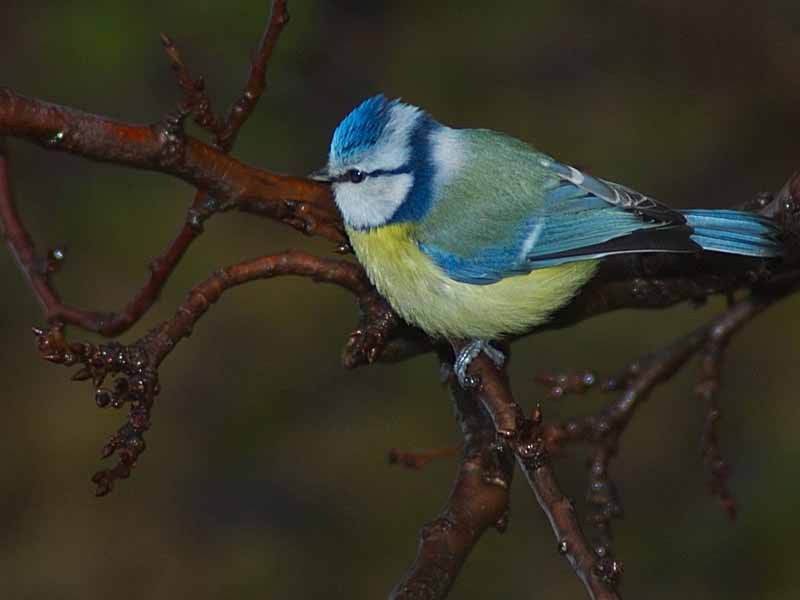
(362, 128)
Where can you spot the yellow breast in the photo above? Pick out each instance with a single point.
(424, 295)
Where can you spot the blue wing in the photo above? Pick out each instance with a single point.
(571, 216)
(579, 217)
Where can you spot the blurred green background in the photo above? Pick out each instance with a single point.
(265, 474)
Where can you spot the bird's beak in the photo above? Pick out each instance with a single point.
(321, 175)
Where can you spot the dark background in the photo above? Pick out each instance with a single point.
(265, 474)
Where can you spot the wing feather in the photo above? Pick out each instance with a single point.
(541, 213)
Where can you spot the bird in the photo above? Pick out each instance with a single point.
(473, 235)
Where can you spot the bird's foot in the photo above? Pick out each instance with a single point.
(469, 353)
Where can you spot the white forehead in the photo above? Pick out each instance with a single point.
(392, 149)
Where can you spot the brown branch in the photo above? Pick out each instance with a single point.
(347, 275)
(135, 367)
(604, 430)
(495, 393)
(95, 135)
(707, 389)
(257, 81)
(478, 501)
(598, 575)
(653, 369)
(530, 450)
(18, 240)
(641, 281)
(417, 459)
(195, 98)
(719, 336)
(301, 203)
(197, 103)
(161, 268)
(656, 281)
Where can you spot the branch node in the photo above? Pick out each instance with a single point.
(609, 570)
(135, 384)
(171, 137)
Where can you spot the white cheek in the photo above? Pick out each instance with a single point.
(372, 202)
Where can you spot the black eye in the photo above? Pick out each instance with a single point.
(356, 176)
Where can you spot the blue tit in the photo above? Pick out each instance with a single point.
(471, 234)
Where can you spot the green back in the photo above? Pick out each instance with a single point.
(500, 188)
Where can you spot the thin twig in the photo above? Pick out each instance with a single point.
(257, 81)
(195, 99)
(347, 275)
(604, 430)
(598, 576)
(530, 451)
(197, 102)
(135, 367)
(161, 268)
(417, 459)
(707, 389)
(19, 242)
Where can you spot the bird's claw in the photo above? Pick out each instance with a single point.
(469, 353)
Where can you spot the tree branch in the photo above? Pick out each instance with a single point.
(301, 203)
(135, 367)
(195, 102)
(478, 501)
(347, 275)
(18, 240)
(257, 81)
(530, 450)
(604, 430)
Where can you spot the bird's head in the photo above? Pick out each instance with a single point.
(380, 163)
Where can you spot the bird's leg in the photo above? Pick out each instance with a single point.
(469, 353)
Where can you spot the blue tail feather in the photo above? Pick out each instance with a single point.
(734, 232)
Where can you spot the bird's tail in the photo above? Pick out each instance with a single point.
(734, 232)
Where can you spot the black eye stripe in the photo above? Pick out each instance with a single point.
(398, 171)
(352, 176)
(357, 175)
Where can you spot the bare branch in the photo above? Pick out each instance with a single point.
(530, 450)
(20, 243)
(604, 430)
(257, 81)
(478, 501)
(417, 459)
(347, 275)
(301, 203)
(135, 367)
(195, 100)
